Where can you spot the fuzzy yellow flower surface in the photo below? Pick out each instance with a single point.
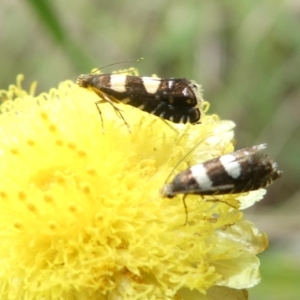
(82, 216)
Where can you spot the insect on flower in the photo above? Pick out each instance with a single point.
(241, 171)
(175, 99)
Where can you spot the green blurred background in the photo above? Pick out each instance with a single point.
(245, 53)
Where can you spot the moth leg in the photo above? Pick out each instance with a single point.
(168, 124)
(218, 200)
(110, 102)
(116, 109)
(100, 113)
(186, 210)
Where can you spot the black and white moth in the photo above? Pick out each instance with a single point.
(241, 171)
(175, 99)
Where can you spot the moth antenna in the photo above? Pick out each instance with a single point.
(185, 156)
(150, 200)
(118, 63)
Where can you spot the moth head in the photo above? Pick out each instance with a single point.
(83, 80)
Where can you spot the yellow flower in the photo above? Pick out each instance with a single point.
(81, 213)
